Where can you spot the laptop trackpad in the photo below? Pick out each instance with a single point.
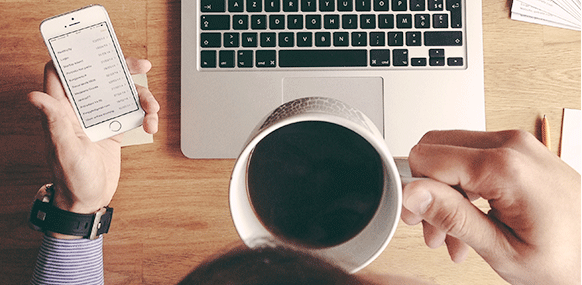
(362, 93)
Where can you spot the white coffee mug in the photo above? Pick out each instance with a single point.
(257, 224)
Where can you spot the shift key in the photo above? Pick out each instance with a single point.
(215, 22)
(448, 38)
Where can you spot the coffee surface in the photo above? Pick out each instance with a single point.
(315, 183)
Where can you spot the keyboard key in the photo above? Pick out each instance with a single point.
(377, 39)
(208, 40)
(380, 57)
(345, 5)
(249, 40)
(399, 5)
(418, 61)
(437, 61)
(422, 21)
(295, 22)
(313, 22)
(327, 5)
(386, 21)
(455, 61)
(452, 38)
(381, 5)
(341, 39)
(209, 6)
(240, 22)
(363, 5)
(400, 57)
(436, 52)
(231, 39)
(454, 6)
(226, 58)
(322, 39)
(304, 39)
(272, 5)
(254, 5)
(323, 58)
(236, 5)
(286, 39)
(245, 58)
(266, 58)
(349, 21)
(276, 22)
(268, 40)
(331, 22)
(308, 5)
(435, 5)
(258, 22)
(417, 5)
(404, 21)
(395, 39)
(291, 5)
(215, 22)
(359, 39)
(440, 21)
(413, 39)
(208, 58)
(368, 21)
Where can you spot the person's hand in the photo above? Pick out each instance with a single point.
(531, 235)
(85, 173)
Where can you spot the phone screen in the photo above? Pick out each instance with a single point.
(94, 74)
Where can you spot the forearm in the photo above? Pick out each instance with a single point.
(77, 261)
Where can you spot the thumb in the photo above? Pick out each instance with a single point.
(449, 211)
(55, 119)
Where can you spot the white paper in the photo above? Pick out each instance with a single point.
(556, 13)
(571, 147)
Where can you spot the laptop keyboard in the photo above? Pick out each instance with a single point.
(337, 34)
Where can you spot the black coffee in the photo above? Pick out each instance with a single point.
(315, 183)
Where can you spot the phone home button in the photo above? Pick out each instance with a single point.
(115, 126)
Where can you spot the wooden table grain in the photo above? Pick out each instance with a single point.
(171, 212)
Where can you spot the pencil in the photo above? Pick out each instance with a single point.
(546, 140)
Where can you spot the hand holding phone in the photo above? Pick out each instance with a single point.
(85, 173)
(89, 62)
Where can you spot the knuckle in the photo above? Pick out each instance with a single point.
(452, 221)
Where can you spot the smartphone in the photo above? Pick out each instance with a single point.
(93, 71)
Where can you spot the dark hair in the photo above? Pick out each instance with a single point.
(268, 265)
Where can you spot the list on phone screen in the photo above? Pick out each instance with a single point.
(97, 82)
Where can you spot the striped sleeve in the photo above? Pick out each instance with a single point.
(78, 261)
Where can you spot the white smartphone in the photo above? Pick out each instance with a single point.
(92, 69)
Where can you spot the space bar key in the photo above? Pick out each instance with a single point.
(322, 58)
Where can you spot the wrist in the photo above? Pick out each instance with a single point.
(63, 224)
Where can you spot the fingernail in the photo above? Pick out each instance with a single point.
(418, 202)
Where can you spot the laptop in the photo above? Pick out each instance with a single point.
(410, 65)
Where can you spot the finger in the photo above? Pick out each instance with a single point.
(151, 106)
(410, 218)
(52, 83)
(470, 169)
(458, 250)
(138, 66)
(448, 211)
(58, 124)
(433, 237)
(465, 138)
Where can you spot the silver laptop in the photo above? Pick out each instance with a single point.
(410, 65)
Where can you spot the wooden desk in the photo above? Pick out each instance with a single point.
(172, 212)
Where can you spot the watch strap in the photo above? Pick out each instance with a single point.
(47, 217)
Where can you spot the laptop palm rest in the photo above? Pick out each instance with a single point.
(362, 93)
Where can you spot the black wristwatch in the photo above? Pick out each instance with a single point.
(47, 218)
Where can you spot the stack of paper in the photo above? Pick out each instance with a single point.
(555, 13)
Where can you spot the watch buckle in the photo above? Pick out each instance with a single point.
(97, 223)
